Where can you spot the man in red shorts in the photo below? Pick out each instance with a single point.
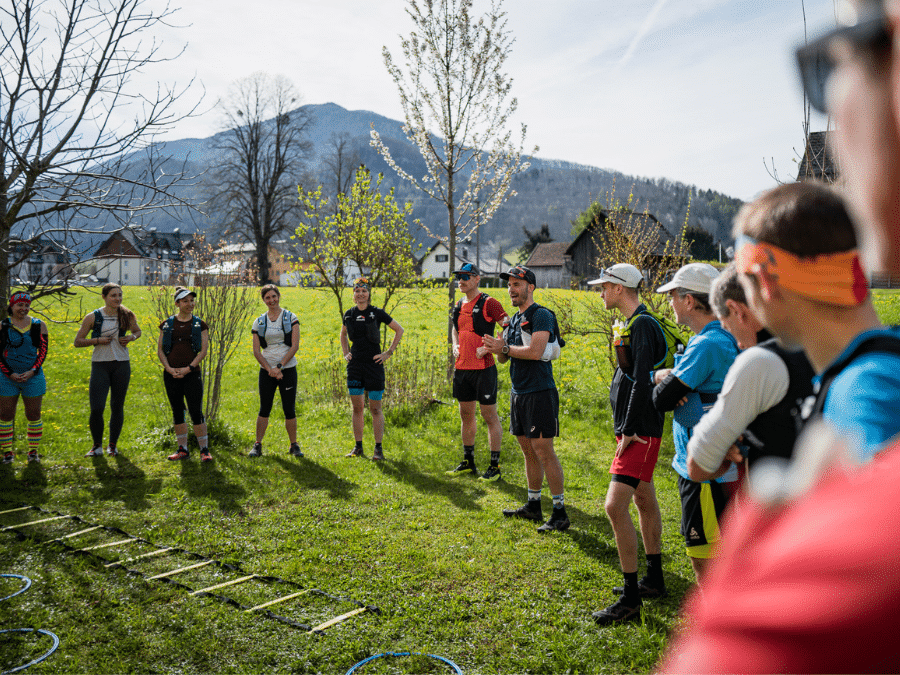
(640, 348)
(475, 377)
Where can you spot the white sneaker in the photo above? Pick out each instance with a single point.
(96, 451)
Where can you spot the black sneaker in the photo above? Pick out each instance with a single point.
(205, 455)
(33, 456)
(256, 451)
(355, 452)
(618, 612)
(559, 521)
(646, 589)
(378, 455)
(295, 450)
(526, 511)
(8, 457)
(465, 466)
(491, 475)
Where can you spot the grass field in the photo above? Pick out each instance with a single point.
(450, 575)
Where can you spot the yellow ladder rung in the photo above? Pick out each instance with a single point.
(276, 601)
(181, 569)
(75, 534)
(338, 619)
(114, 543)
(138, 557)
(227, 583)
(21, 508)
(33, 522)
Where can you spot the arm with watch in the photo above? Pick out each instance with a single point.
(504, 352)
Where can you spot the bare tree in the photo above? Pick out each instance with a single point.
(76, 133)
(453, 83)
(339, 165)
(265, 152)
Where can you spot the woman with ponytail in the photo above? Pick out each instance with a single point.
(109, 329)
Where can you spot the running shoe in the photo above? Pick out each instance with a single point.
(8, 457)
(378, 455)
(465, 466)
(491, 475)
(526, 511)
(112, 451)
(295, 450)
(96, 451)
(256, 451)
(355, 452)
(181, 454)
(559, 521)
(646, 589)
(205, 455)
(33, 456)
(618, 612)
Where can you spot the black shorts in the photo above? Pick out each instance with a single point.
(365, 374)
(534, 415)
(476, 385)
(702, 505)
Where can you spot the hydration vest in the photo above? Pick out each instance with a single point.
(877, 343)
(287, 320)
(98, 325)
(6, 326)
(554, 344)
(480, 325)
(672, 334)
(774, 432)
(196, 334)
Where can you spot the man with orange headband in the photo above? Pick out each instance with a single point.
(807, 581)
(801, 272)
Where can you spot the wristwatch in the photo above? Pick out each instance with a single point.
(279, 366)
(505, 349)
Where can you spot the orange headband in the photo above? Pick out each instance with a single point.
(834, 278)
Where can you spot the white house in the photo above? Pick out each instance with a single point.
(436, 262)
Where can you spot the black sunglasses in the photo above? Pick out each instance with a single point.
(817, 64)
(462, 277)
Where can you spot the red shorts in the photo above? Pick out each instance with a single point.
(638, 459)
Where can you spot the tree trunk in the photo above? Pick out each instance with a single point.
(451, 215)
(262, 260)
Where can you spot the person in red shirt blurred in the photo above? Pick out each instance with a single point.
(475, 378)
(807, 578)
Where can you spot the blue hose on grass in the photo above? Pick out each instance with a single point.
(26, 630)
(456, 668)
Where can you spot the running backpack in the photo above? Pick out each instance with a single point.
(98, 325)
(196, 334)
(556, 341)
(675, 340)
(480, 326)
(287, 322)
(6, 326)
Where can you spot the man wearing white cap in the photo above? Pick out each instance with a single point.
(638, 426)
(698, 375)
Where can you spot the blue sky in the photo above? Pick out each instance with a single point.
(699, 91)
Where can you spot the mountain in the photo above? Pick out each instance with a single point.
(550, 191)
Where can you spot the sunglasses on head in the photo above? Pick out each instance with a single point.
(817, 63)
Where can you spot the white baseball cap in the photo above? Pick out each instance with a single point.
(697, 277)
(620, 273)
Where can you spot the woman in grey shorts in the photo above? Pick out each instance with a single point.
(106, 330)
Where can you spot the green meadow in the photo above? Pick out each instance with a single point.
(448, 574)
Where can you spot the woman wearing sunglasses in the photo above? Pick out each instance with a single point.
(361, 344)
(23, 348)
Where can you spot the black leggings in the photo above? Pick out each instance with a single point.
(108, 377)
(188, 388)
(287, 385)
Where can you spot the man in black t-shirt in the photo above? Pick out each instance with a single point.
(361, 326)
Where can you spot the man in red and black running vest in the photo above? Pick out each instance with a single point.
(475, 379)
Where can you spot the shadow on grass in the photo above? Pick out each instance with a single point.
(205, 481)
(461, 495)
(31, 486)
(312, 476)
(124, 482)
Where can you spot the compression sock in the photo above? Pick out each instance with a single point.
(182, 440)
(203, 442)
(654, 568)
(534, 495)
(495, 458)
(559, 501)
(469, 453)
(35, 431)
(6, 435)
(631, 595)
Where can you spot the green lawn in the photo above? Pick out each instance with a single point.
(450, 575)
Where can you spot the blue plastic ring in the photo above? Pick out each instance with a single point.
(39, 659)
(21, 590)
(456, 668)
